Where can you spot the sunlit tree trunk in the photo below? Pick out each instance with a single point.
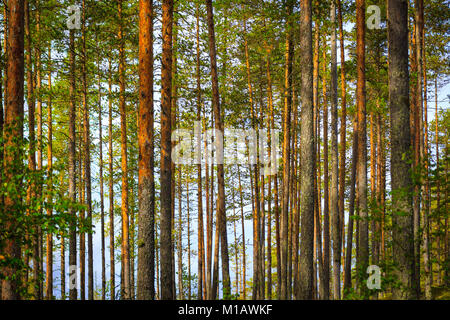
(363, 235)
(146, 232)
(13, 135)
(31, 192)
(111, 187)
(102, 203)
(126, 294)
(221, 216)
(201, 250)
(326, 188)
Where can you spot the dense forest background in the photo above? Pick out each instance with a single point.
(350, 100)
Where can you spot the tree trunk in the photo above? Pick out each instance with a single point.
(351, 211)
(166, 152)
(306, 152)
(31, 192)
(363, 253)
(126, 294)
(180, 239)
(201, 250)
(72, 160)
(220, 171)
(286, 153)
(335, 219)
(146, 235)
(102, 203)
(241, 202)
(49, 262)
(326, 188)
(13, 134)
(403, 250)
(87, 157)
(111, 188)
(343, 132)
(257, 212)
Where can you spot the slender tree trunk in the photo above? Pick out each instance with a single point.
(87, 157)
(166, 145)
(31, 192)
(102, 203)
(201, 250)
(189, 239)
(343, 132)
(208, 223)
(403, 250)
(257, 212)
(273, 162)
(72, 162)
(326, 188)
(351, 211)
(82, 195)
(49, 262)
(363, 253)
(215, 271)
(335, 219)
(438, 182)
(427, 211)
(306, 152)
(39, 147)
(220, 171)
(418, 103)
(111, 188)
(173, 120)
(286, 153)
(1, 153)
(180, 239)
(241, 202)
(126, 294)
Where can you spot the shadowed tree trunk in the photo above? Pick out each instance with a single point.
(49, 262)
(343, 133)
(72, 162)
(284, 225)
(351, 211)
(403, 250)
(166, 152)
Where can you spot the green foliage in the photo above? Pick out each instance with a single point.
(27, 217)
